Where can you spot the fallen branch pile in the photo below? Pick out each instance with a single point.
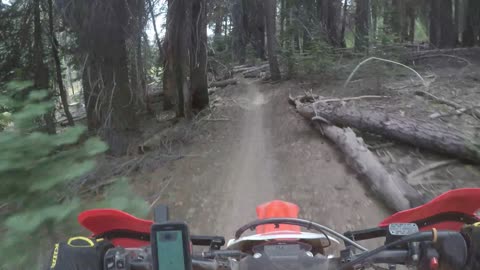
(419, 133)
(255, 71)
(394, 191)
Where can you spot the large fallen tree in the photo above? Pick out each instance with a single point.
(420, 133)
(394, 191)
(256, 71)
(223, 83)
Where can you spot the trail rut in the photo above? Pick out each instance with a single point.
(265, 152)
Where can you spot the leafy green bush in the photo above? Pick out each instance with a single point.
(34, 170)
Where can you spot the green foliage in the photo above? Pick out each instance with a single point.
(421, 31)
(318, 57)
(35, 169)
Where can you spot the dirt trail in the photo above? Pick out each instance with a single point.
(265, 152)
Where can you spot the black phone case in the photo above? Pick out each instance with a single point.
(186, 242)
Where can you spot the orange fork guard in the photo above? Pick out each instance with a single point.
(277, 209)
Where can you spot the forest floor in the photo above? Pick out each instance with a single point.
(252, 147)
(256, 149)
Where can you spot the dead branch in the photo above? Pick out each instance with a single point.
(430, 167)
(438, 100)
(351, 98)
(383, 60)
(255, 70)
(443, 55)
(463, 51)
(223, 83)
(160, 193)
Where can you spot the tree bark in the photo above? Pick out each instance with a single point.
(420, 133)
(435, 22)
(411, 14)
(157, 37)
(395, 192)
(361, 25)
(259, 30)
(447, 39)
(238, 32)
(441, 24)
(58, 66)
(41, 75)
(109, 100)
(270, 15)
(198, 62)
(344, 24)
(170, 96)
(471, 33)
(283, 16)
(177, 66)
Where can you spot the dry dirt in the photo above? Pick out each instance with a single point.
(252, 149)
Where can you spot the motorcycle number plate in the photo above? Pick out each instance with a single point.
(400, 229)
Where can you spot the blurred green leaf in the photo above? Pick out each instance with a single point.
(36, 170)
(19, 85)
(70, 136)
(95, 146)
(37, 95)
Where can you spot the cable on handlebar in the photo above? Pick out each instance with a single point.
(298, 222)
(420, 236)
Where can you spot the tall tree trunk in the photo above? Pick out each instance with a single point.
(398, 20)
(361, 25)
(218, 27)
(456, 21)
(137, 71)
(435, 23)
(334, 7)
(442, 28)
(270, 15)
(157, 37)
(198, 62)
(411, 15)
(238, 31)
(41, 77)
(328, 11)
(58, 66)
(110, 102)
(344, 24)
(283, 16)
(170, 95)
(259, 32)
(90, 86)
(177, 66)
(448, 39)
(471, 33)
(375, 15)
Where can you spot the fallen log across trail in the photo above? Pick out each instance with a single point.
(390, 188)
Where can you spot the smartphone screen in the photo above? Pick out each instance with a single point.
(171, 247)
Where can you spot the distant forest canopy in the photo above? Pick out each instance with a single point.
(97, 56)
